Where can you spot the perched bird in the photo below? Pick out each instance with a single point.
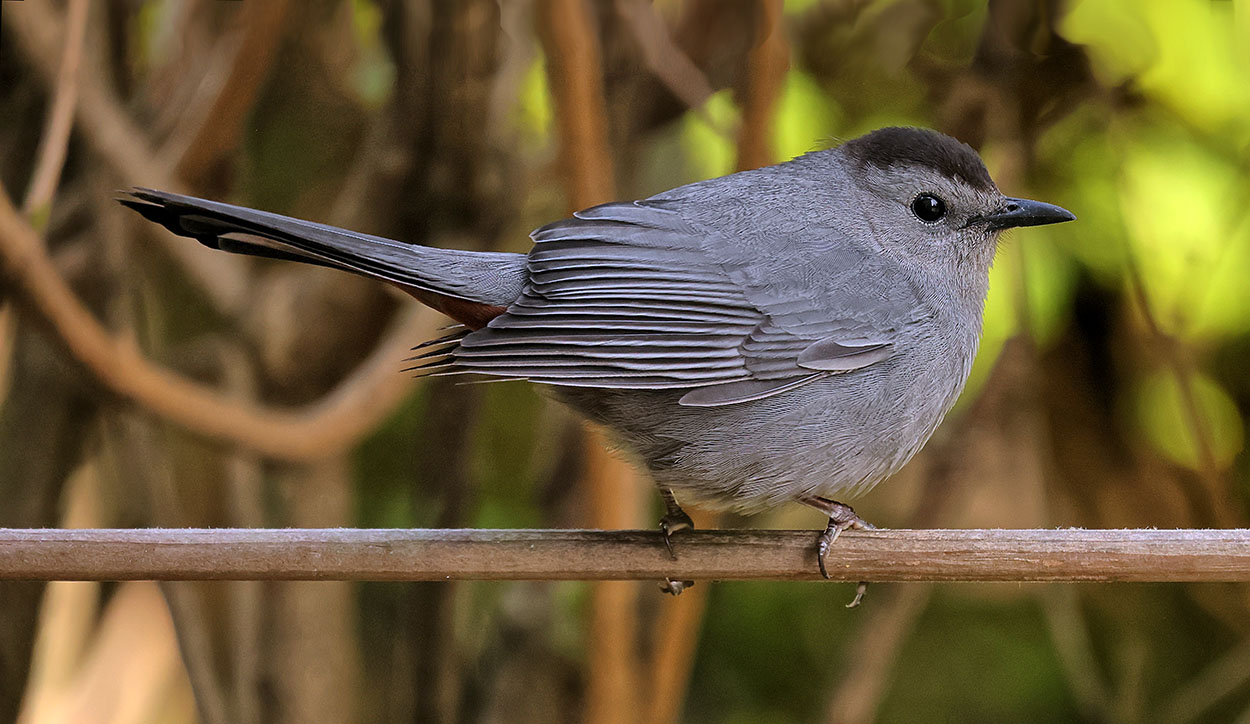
(792, 333)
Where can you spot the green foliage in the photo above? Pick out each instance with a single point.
(1189, 232)
(1189, 56)
(373, 73)
(710, 150)
(806, 117)
(533, 107)
(1168, 421)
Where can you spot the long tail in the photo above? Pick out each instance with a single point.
(471, 287)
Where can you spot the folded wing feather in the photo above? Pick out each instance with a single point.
(625, 296)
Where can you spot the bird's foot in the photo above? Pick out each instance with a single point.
(675, 519)
(841, 517)
(674, 588)
(672, 522)
(827, 538)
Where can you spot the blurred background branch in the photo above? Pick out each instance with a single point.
(54, 141)
(329, 426)
(122, 143)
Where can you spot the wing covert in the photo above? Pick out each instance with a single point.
(627, 296)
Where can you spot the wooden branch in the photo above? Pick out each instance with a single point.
(435, 555)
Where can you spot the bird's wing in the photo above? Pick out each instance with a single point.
(628, 296)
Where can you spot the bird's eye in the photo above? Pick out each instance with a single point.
(928, 208)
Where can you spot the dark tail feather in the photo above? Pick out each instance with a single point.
(470, 286)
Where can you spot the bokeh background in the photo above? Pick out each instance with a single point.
(1111, 390)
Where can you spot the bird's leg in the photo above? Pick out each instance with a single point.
(841, 517)
(674, 519)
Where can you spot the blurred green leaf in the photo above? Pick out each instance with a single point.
(373, 74)
(533, 111)
(998, 326)
(1119, 38)
(1187, 54)
(805, 116)
(1178, 199)
(1084, 163)
(1049, 278)
(709, 152)
(1165, 421)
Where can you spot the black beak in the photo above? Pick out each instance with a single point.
(1022, 212)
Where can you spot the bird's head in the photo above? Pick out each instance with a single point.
(930, 197)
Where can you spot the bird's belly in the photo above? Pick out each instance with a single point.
(835, 437)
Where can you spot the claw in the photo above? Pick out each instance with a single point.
(673, 521)
(825, 541)
(841, 518)
(674, 588)
(860, 589)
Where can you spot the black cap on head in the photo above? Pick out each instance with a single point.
(904, 146)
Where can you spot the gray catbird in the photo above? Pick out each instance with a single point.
(791, 333)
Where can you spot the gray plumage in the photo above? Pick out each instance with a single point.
(788, 333)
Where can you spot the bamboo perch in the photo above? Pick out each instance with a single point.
(429, 555)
